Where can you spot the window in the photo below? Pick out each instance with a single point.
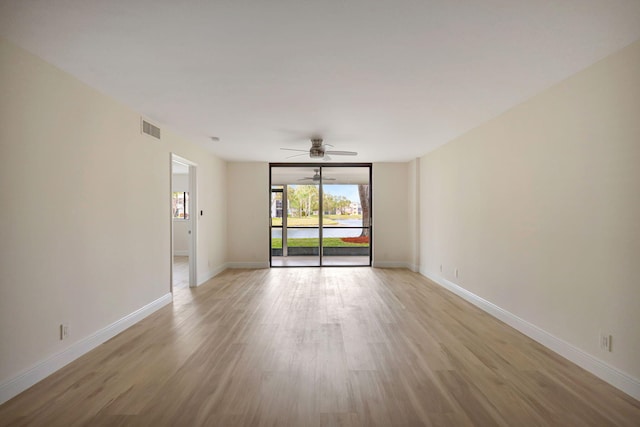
(180, 205)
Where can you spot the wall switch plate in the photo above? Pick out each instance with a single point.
(606, 341)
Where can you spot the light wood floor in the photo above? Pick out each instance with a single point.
(180, 271)
(320, 347)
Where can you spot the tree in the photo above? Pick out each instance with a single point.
(293, 201)
(329, 204)
(363, 192)
(342, 203)
(303, 198)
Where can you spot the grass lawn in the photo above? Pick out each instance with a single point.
(312, 242)
(343, 216)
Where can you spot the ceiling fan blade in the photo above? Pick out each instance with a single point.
(326, 158)
(341, 153)
(328, 179)
(306, 178)
(296, 155)
(294, 149)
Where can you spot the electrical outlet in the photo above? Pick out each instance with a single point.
(64, 331)
(606, 341)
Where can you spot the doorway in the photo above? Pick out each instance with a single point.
(320, 215)
(183, 223)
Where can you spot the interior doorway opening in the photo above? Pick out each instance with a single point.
(183, 223)
(320, 215)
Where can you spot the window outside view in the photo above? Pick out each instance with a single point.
(345, 234)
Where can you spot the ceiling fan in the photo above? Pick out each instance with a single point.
(319, 150)
(316, 177)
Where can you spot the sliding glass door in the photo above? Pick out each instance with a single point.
(320, 215)
(346, 228)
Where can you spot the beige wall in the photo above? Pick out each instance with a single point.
(390, 215)
(181, 237)
(85, 239)
(413, 208)
(180, 182)
(248, 210)
(539, 210)
(212, 201)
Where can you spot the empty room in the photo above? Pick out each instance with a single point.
(296, 213)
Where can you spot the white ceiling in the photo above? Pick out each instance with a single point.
(389, 79)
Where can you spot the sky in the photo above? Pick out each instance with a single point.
(350, 191)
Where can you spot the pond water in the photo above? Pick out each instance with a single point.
(329, 231)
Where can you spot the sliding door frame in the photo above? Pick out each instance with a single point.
(321, 166)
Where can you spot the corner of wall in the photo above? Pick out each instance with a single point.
(602, 370)
(208, 275)
(48, 366)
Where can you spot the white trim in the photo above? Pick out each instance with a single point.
(48, 366)
(597, 367)
(193, 208)
(211, 274)
(181, 253)
(390, 264)
(395, 264)
(193, 233)
(250, 265)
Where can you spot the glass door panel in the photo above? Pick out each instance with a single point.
(276, 210)
(346, 216)
(298, 243)
(303, 247)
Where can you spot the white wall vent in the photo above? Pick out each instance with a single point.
(150, 129)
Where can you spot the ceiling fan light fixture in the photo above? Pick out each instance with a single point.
(316, 152)
(316, 177)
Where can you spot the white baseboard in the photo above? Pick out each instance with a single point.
(395, 264)
(26, 379)
(390, 264)
(180, 253)
(249, 265)
(597, 367)
(211, 274)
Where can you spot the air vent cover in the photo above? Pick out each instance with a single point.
(150, 129)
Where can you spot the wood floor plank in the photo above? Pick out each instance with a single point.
(320, 347)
